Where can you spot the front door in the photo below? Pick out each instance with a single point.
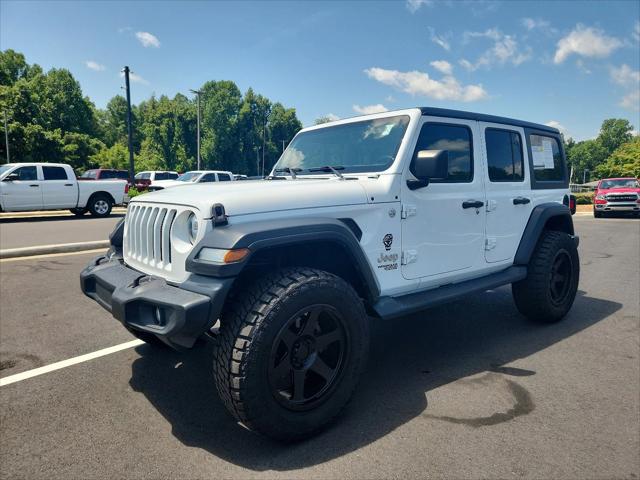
(25, 193)
(509, 201)
(443, 223)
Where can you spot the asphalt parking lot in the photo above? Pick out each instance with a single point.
(467, 390)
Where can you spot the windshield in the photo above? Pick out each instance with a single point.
(620, 183)
(189, 177)
(366, 146)
(5, 167)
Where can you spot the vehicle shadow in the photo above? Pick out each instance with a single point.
(56, 218)
(409, 357)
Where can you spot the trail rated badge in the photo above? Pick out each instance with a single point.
(387, 240)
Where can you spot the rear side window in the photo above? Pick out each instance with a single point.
(208, 177)
(504, 155)
(90, 174)
(161, 176)
(223, 177)
(54, 173)
(172, 176)
(122, 175)
(546, 158)
(456, 140)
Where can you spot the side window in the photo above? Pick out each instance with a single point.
(504, 155)
(122, 175)
(223, 177)
(27, 174)
(161, 176)
(208, 177)
(172, 176)
(546, 158)
(54, 173)
(456, 140)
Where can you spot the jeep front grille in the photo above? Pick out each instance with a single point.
(148, 235)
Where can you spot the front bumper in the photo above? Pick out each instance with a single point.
(618, 207)
(176, 313)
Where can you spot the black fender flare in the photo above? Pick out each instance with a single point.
(539, 218)
(265, 234)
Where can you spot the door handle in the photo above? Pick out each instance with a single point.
(34, 185)
(68, 184)
(521, 201)
(472, 204)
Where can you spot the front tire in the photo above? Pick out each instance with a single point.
(596, 214)
(78, 212)
(291, 350)
(100, 205)
(548, 292)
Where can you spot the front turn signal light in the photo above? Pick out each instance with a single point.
(222, 256)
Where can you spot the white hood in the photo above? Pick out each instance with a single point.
(168, 183)
(259, 196)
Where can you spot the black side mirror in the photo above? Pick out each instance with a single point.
(427, 165)
(11, 177)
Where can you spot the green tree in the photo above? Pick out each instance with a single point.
(586, 155)
(623, 162)
(614, 132)
(115, 156)
(323, 119)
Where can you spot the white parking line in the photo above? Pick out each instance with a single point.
(18, 377)
(50, 255)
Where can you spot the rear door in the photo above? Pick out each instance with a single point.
(509, 201)
(224, 177)
(58, 190)
(443, 223)
(25, 193)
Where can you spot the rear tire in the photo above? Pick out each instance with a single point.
(291, 350)
(548, 292)
(100, 205)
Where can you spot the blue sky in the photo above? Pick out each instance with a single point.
(569, 62)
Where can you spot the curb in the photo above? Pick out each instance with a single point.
(49, 249)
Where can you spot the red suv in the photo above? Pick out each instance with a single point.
(616, 195)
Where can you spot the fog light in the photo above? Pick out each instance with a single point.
(157, 313)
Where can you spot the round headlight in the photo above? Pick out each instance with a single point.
(192, 225)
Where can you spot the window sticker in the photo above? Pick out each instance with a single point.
(543, 155)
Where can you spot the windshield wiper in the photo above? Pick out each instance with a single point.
(289, 170)
(329, 168)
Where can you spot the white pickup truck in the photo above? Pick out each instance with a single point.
(53, 186)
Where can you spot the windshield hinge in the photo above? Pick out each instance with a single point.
(408, 211)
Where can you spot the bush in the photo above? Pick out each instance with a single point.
(133, 192)
(584, 198)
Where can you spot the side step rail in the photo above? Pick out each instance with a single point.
(392, 307)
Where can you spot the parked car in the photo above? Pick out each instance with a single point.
(144, 179)
(104, 174)
(416, 208)
(196, 176)
(53, 186)
(616, 195)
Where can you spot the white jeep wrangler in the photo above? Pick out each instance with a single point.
(375, 216)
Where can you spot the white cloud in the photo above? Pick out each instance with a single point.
(586, 42)
(136, 78)
(414, 5)
(368, 109)
(439, 39)
(533, 23)
(442, 66)
(631, 101)
(95, 66)
(505, 50)
(147, 39)
(419, 83)
(624, 75)
(558, 125)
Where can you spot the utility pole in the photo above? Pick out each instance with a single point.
(129, 126)
(264, 139)
(283, 145)
(257, 160)
(584, 176)
(198, 92)
(6, 136)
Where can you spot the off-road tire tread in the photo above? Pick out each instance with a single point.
(242, 322)
(530, 294)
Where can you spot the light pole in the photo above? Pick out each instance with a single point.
(6, 136)
(584, 176)
(264, 137)
(129, 127)
(283, 141)
(198, 92)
